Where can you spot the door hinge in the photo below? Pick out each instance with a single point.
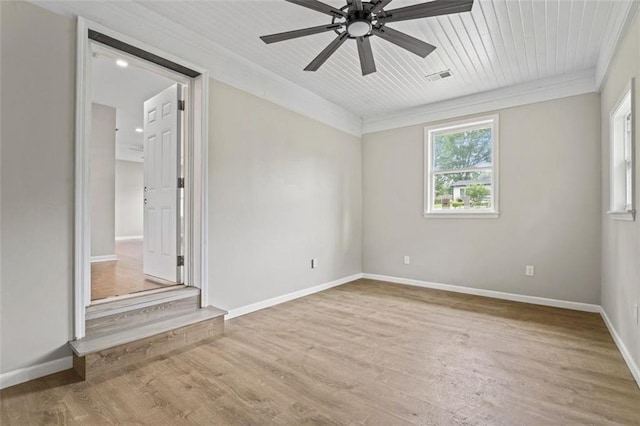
(180, 260)
(180, 105)
(180, 182)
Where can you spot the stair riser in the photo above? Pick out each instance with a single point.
(102, 362)
(136, 316)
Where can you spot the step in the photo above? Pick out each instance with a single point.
(125, 304)
(141, 313)
(97, 354)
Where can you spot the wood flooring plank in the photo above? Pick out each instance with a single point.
(122, 276)
(368, 353)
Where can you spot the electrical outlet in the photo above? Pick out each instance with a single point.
(314, 263)
(529, 270)
(407, 260)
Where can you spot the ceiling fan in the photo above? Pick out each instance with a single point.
(360, 20)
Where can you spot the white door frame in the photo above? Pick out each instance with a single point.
(195, 173)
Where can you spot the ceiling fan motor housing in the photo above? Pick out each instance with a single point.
(359, 23)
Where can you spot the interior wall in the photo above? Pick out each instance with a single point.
(129, 209)
(283, 189)
(621, 240)
(278, 197)
(102, 170)
(37, 164)
(549, 207)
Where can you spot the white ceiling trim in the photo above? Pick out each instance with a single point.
(154, 26)
(223, 65)
(616, 29)
(535, 91)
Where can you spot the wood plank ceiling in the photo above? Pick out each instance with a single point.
(500, 43)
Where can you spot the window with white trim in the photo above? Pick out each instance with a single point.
(622, 158)
(461, 169)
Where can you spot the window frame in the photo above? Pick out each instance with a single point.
(478, 122)
(626, 149)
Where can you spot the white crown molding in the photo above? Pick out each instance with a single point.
(21, 375)
(230, 68)
(535, 300)
(626, 354)
(247, 309)
(224, 65)
(617, 29)
(527, 93)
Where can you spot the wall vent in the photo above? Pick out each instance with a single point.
(439, 75)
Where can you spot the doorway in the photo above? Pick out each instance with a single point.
(137, 136)
(141, 158)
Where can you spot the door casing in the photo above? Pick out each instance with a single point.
(195, 168)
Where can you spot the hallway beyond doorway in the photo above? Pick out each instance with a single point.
(122, 276)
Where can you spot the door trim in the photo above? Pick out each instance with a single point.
(195, 174)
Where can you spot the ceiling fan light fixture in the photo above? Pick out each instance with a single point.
(354, 21)
(359, 28)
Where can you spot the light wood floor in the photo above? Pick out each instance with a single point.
(122, 276)
(363, 353)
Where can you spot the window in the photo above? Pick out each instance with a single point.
(461, 170)
(622, 158)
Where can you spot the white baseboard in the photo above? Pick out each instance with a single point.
(25, 374)
(586, 307)
(104, 258)
(243, 310)
(131, 237)
(39, 370)
(635, 370)
(576, 306)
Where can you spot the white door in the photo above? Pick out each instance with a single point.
(162, 137)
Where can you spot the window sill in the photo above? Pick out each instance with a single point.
(462, 215)
(626, 216)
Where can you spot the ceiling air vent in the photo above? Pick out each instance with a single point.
(439, 75)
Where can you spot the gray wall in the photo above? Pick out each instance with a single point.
(129, 198)
(103, 180)
(549, 202)
(283, 189)
(621, 240)
(38, 87)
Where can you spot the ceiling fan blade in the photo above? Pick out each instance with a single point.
(318, 6)
(405, 41)
(381, 4)
(327, 52)
(425, 10)
(367, 63)
(273, 38)
(358, 4)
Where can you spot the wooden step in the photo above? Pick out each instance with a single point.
(97, 354)
(125, 304)
(112, 320)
